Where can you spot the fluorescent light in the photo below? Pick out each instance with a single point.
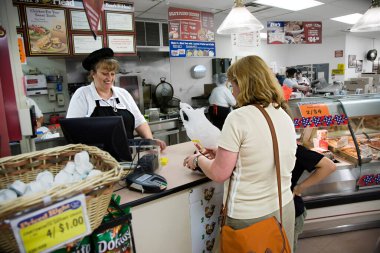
(239, 20)
(293, 5)
(348, 19)
(370, 21)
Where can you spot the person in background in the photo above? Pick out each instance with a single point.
(320, 167)
(102, 98)
(39, 116)
(301, 80)
(221, 100)
(244, 156)
(291, 81)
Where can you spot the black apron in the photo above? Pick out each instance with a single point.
(128, 118)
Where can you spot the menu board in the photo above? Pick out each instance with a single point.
(294, 32)
(121, 43)
(47, 31)
(119, 21)
(85, 44)
(79, 21)
(191, 33)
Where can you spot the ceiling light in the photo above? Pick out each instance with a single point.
(348, 19)
(239, 20)
(293, 5)
(370, 21)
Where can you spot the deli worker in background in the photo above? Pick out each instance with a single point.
(221, 100)
(102, 98)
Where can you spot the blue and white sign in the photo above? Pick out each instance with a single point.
(186, 48)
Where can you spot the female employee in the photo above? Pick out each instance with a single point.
(221, 100)
(102, 98)
(245, 153)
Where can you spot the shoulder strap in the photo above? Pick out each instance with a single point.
(276, 161)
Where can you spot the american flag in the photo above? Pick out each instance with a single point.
(93, 9)
(317, 120)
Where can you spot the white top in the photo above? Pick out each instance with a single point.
(82, 103)
(30, 102)
(303, 80)
(290, 82)
(222, 96)
(254, 185)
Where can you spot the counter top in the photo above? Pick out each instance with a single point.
(178, 177)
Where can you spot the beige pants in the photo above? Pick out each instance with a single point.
(287, 222)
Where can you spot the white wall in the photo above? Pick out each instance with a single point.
(360, 46)
(269, 53)
(186, 87)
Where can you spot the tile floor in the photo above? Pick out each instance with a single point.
(361, 241)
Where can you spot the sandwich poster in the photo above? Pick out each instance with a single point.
(47, 31)
(191, 33)
(294, 32)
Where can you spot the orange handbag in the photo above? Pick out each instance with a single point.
(267, 236)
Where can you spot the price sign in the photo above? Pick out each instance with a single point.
(53, 226)
(310, 110)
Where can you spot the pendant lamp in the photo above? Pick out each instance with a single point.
(370, 21)
(239, 20)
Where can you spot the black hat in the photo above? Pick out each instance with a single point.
(89, 62)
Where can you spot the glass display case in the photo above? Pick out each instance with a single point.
(347, 130)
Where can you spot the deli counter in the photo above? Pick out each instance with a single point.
(347, 130)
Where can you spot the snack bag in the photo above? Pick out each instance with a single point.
(115, 234)
(198, 127)
(79, 246)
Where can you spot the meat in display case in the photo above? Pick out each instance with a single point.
(347, 130)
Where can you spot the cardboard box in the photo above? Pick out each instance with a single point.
(358, 83)
(376, 77)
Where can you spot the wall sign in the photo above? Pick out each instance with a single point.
(79, 21)
(121, 43)
(191, 33)
(47, 31)
(119, 21)
(338, 53)
(294, 32)
(85, 44)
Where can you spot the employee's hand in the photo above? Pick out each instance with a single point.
(162, 144)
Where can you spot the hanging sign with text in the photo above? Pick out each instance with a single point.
(294, 32)
(191, 33)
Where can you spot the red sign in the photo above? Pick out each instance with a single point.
(93, 9)
(313, 32)
(187, 24)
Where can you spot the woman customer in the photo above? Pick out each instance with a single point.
(102, 98)
(221, 100)
(245, 152)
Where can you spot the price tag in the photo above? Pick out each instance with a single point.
(52, 226)
(310, 110)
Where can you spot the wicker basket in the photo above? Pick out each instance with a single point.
(25, 167)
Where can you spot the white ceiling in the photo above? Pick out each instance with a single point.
(158, 9)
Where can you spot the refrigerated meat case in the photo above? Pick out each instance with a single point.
(353, 138)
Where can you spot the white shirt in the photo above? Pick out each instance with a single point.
(222, 96)
(30, 102)
(290, 82)
(82, 103)
(254, 185)
(303, 80)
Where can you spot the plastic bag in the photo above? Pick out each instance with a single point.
(198, 127)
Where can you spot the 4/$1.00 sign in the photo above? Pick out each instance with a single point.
(53, 226)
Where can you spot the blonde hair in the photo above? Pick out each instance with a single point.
(257, 83)
(109, 64)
